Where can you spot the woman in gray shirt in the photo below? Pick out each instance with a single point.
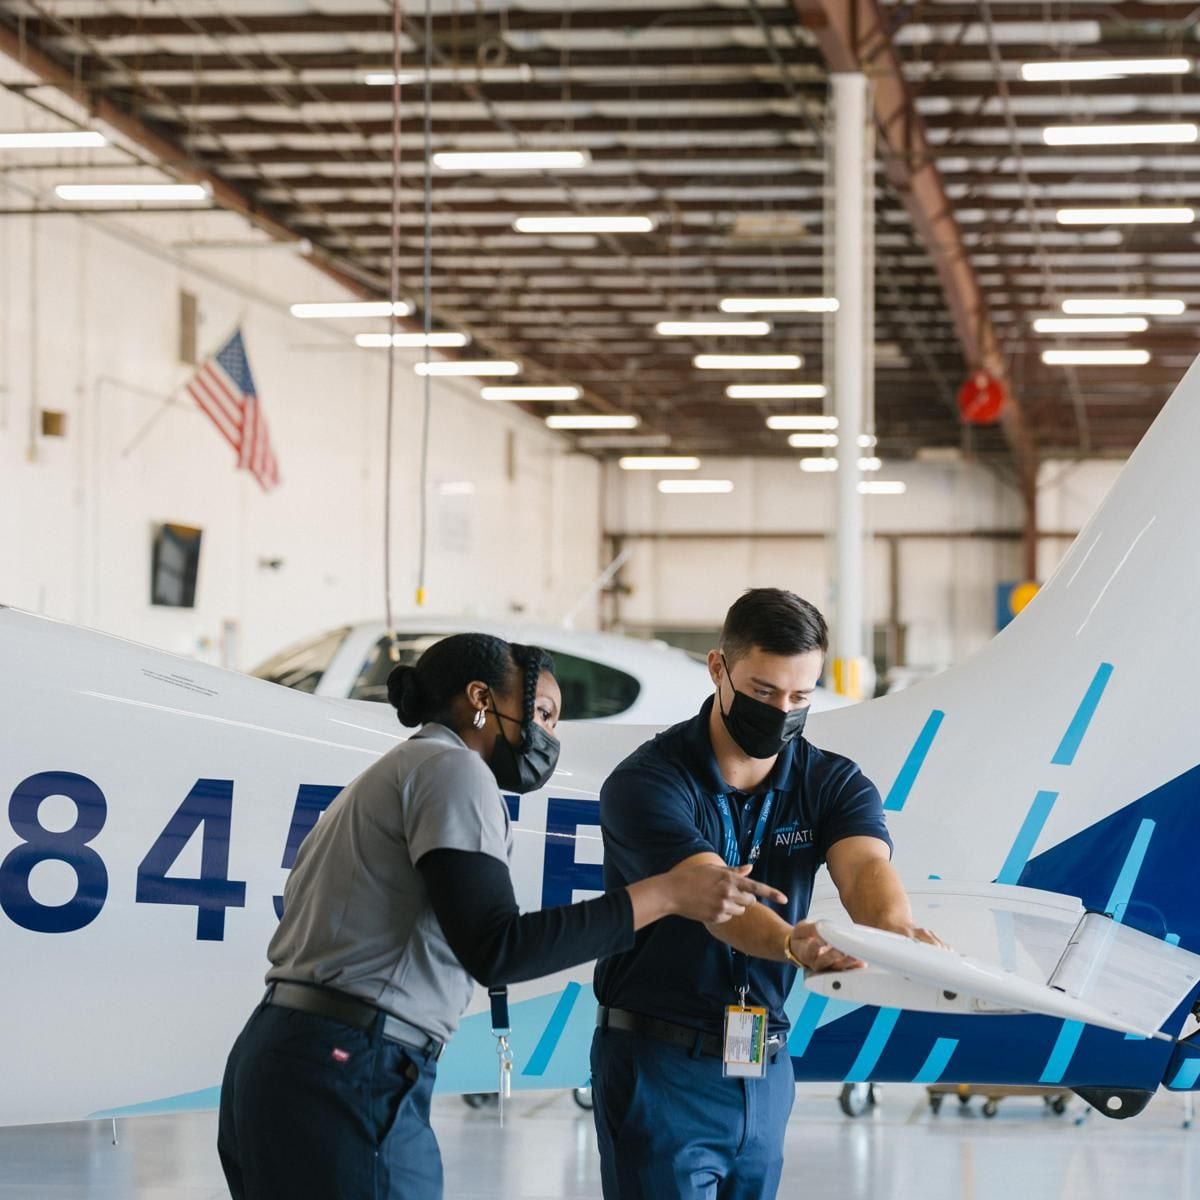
(400, 899)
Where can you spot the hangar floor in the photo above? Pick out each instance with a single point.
(902, 1152)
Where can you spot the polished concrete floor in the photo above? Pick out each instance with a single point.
(547, 1151)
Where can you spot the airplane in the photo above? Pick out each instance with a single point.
(151, 807)
(603, 676)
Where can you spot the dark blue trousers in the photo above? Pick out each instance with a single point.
(672, 1127)
(312, 1109)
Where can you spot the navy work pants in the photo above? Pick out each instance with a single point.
(672, 1127)
(312, 1109)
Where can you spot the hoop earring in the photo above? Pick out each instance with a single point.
(480, 718)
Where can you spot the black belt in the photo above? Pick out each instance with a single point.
(349, 1010)
(707, 1044)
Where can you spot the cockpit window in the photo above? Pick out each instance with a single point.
(302, 665)
(590, 689)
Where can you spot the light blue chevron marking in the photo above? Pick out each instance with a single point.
(1027, 837)
(873, 1045)
(539, 1060)
(806, 1024)
(937, 1062)
(914, 762)
(1064, 1049)
(1186, 1076)
(1064, 756)
(204, 1100)
(1123, 888)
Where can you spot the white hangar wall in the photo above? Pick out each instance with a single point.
(89, 326)
(936, 555)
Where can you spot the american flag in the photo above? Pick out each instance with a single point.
(224, 390)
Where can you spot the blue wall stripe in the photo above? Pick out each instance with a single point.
(1123, 888)
(1064, 756)
(873, 1045)
(539, 1060)
(1188, 1073)
(1027, 836)
(914, 762)
(1064, 1050)
(806, 1024)
(937, 1062)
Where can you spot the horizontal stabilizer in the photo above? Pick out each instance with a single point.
(1108, 975)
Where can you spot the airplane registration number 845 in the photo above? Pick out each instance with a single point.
(208, 810)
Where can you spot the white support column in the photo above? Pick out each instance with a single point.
(853, 341)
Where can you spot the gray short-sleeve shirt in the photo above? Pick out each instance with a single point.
(356, 914)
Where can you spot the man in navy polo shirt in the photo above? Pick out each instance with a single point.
(736, 784)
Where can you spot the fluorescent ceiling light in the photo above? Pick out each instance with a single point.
(161, 193)
(882, 487)
(815, 466)
(713, 328)
(867, 441)
(1091, 325)
(870, 463)
(1119, 135)
(1095, 358)
(779, 304)
(490, 367)
(351, 308)
(511, 160)
(582, 421)
(617, 441)
(661, 462)
(444, 341)
(1104, 68)
(775, 391)
(70, 139)
(811, 441)
(710, 487)
(1120, 307)
(1175, 215)
(583, 225)
(748, 362)
(531, 392)
(457, 487)
(388, 78)
(802, 422)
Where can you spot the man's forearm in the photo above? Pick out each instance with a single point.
(758, 932)
(878, 898)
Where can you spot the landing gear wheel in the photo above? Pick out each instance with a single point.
(990, 1108)
(1059, 1105)
(857, 1099)
(935, 1104)
(583, 1097)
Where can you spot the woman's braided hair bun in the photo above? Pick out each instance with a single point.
(404, 694)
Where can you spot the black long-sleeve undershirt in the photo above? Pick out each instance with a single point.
(472, 898)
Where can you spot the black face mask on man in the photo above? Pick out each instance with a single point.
(760, 730)
(524, 769)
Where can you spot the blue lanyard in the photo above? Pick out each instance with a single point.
(733, 857)
(733, 846)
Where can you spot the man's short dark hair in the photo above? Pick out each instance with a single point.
(775, 621)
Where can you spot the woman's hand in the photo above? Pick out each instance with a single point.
(713, 894)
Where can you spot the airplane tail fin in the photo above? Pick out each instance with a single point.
(1065, 755)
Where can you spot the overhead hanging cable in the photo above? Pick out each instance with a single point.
(393, 293)
(393, 319)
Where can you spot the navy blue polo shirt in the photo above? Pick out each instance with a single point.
(662, 805)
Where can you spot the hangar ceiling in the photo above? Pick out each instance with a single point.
(709, 118)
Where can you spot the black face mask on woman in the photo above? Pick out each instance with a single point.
(523, 770)
(760, 730)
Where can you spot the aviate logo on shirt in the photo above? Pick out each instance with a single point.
(793, 837)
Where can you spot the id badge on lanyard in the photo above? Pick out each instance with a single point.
(744, 1046)
(744, 1050)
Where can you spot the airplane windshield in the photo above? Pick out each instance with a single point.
(302, 665)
